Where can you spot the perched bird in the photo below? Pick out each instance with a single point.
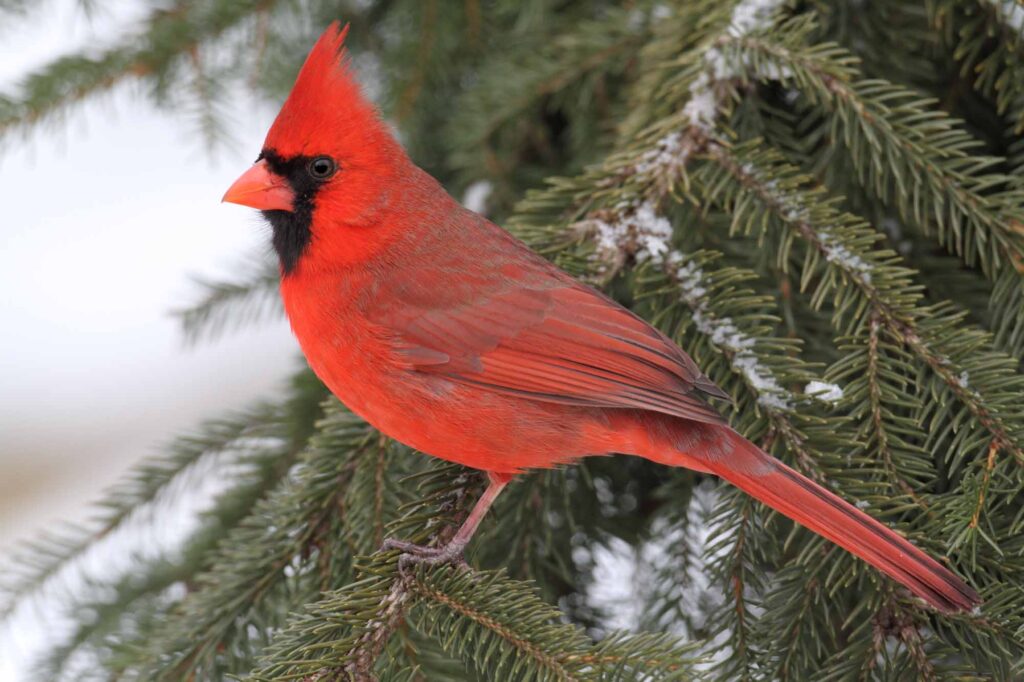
(449, 335)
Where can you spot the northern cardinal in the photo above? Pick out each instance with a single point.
(449, 335)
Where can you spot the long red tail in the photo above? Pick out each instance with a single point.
(772, 482)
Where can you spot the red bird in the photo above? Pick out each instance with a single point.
(451, 336)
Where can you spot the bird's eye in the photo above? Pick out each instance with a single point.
(322, 167)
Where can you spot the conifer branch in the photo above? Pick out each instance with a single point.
(880, 416)
(906, 152)
(38, 563)
(996, 67)
(849, 256)
(169, 35)
(260, 552)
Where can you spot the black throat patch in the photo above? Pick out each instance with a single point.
(292, 229)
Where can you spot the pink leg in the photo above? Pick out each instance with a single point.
(418, 554)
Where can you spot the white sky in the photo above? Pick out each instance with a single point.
(104, 218)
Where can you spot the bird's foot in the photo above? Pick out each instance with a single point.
(413, 554)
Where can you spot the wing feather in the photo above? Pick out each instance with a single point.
(565, 344)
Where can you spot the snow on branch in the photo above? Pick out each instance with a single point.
(720, 67)
(823, 391)
(640, 231)
(791, 207)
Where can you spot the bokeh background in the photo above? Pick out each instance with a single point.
(107, 218)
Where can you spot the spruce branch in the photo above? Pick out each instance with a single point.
(996, 67)
(904, 151)
(267, 547)
(42, 561)
(842, 241)
(232, 305)
(344, 633)
(881, 416)
(169, 35)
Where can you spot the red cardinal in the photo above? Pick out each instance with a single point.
(448, 334)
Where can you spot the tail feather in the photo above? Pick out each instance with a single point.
(772, 482)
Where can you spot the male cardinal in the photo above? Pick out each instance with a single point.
(446, 333)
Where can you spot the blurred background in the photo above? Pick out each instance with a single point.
(108, 215)
(107, 219)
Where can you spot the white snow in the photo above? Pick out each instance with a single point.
(724, 333)
(626, 577)
(824, 391)
(749, 15)
(639, 229)
(702, 107)
(793, 210)
(840, 255)
(666, 153)
(653, 232)
(476, 195)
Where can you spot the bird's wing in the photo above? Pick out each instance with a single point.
(567, 345)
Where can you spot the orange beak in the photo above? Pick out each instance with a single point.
(261, 188)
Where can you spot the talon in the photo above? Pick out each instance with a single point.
(413, 554)
(408, 547)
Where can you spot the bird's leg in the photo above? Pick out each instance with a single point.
(452, 552)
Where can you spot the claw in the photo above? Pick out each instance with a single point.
(452, 552)
(413, 554)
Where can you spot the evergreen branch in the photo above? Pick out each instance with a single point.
(345, 632)
(156, 580)
(990, 48)
(169, 35)
(491, 602)
(841, 241)
(574, 73)
(510, 634)
(882, 416)
(266, 548)
(584, 49)
(730, 548)
(391, 609)
(43, 560)
(234, 304)
(906, 152)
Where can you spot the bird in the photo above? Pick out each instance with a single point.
(446, 333)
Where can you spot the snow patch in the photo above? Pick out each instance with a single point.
(639, 230)
(824, 391)
(724, 333)
(749, 15)
(702, 107)
(843, 257)
(476, 195)
(666, 154)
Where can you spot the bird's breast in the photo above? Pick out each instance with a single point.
(344, 350)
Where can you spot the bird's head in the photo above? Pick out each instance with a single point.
(327, 163)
